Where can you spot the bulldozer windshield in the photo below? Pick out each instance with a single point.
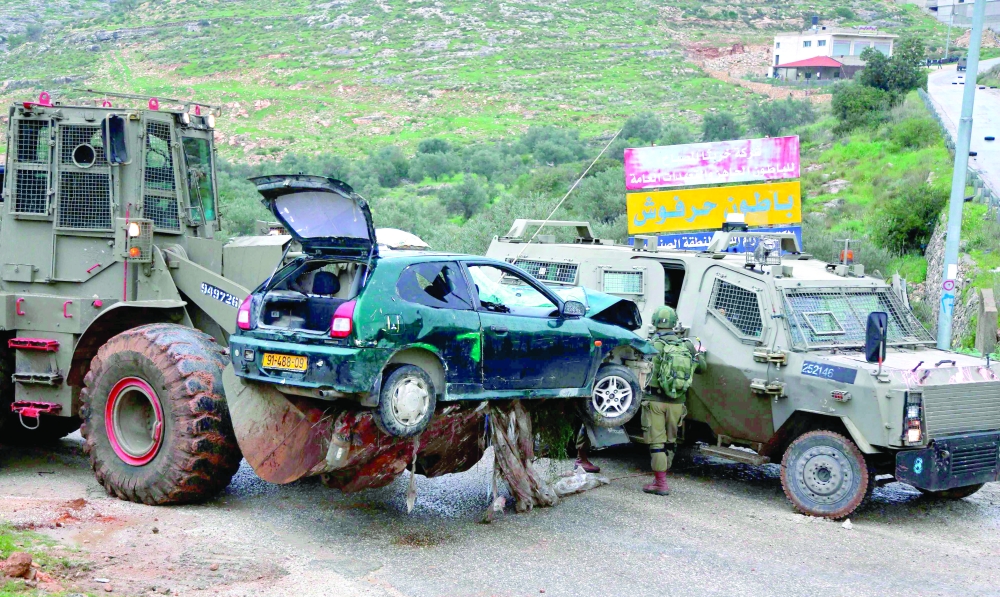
(200, 179)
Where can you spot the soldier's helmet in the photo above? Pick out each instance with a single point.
(665, 318)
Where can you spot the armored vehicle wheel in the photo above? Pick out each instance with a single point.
(406, 403)
(615, 398)
(155, 421)
(12, 432)
(825, 474)
(955, 493)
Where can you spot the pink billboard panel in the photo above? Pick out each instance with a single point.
(720, 162)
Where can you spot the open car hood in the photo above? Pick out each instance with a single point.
(603, 307)
(323, 214)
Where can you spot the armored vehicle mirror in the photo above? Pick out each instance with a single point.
(574, 309)
(875, 336)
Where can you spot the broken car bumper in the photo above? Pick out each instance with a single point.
(950, 462)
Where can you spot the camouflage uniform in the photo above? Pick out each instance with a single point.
(663, 409)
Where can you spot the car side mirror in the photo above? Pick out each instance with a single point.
(876, 336)
(573, 309)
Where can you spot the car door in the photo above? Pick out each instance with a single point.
(440, 312)
(526, 343)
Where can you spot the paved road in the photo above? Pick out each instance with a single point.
(727, 530)
(985, 117)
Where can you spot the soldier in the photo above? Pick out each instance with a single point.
(582, 448)
(663, 409)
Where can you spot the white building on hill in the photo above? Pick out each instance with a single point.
(841, 44)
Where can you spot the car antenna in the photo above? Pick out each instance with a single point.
(558, 205)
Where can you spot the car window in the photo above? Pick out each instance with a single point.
(439, 285)
(503, 291)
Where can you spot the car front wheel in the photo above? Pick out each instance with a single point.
(615, 398)
(406, 403)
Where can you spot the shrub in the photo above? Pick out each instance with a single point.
(434, 166)
(720, 126)
(844, 13)
(434, 145)
(389, 165)
(552, 145)
(599, 198)
(675, 133)
(645, 127)
(857, 105)
(466, 198)
(899, 74)
(772, 118)
(914, 133)
(903, 219)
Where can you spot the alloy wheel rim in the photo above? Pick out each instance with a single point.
(612, 396)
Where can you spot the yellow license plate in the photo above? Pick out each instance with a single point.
(287, 362)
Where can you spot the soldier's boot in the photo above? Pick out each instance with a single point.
(659, 485)
(584, 463)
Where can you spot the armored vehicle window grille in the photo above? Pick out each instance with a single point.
(33, 142)
(84, 200)
(563, 273)
(617, 282)
(811, 313)
(163, 211)
(738, 307)
(82, 146)
(160, 197)
(31, 191)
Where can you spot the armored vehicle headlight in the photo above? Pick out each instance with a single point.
(185, 118)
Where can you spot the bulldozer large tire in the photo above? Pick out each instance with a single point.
(155, 422)
(12, 432)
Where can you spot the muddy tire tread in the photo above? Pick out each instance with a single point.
(206, 456)
(867, 477)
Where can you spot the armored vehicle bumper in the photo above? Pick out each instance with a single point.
(950, 462)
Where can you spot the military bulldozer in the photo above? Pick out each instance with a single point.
(116, 300)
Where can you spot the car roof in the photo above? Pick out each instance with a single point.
(428, 256)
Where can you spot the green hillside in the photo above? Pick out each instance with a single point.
(348, 76)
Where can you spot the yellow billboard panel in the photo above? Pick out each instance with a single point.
(765, 204)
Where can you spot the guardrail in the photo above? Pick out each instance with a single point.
(983, 192)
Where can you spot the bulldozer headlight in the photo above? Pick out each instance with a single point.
(133, 229)
(134, 252)
(184, 118)
(210, 121)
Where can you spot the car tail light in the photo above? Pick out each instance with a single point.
(343, 320)
(912, 418)
(243, 315)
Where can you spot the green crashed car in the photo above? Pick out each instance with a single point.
(403, 331)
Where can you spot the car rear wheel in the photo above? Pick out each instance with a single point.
(615, 398)
(155, 422)
(406, 403)
(955, 493)
(825, 474)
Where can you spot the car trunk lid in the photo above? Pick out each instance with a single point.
(323, 214)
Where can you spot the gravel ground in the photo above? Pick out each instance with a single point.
(726, 530)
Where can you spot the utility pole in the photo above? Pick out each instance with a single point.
(962, 143)
(947, 43)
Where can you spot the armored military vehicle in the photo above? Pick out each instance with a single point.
(116, 301)
(787, 373)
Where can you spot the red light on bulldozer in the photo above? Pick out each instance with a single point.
(134, 252)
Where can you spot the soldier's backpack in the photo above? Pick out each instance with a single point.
(673, 367)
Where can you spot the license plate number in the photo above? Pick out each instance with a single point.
(288, 362)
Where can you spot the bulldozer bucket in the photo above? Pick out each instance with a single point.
(282, 440)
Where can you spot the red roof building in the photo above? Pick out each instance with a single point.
(817, 67)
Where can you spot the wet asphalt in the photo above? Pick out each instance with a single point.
(726, 530)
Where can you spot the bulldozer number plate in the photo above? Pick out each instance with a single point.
(288, 362)
(220, 295)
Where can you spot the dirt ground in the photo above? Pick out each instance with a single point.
(726, 530)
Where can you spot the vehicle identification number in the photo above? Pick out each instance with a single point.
(288, 362)
(831, 372)
(220, 295)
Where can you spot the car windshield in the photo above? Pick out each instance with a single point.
(834, 317)
(319, 214)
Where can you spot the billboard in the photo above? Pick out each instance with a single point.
(767, 204)
(720, 162)
(698, 241)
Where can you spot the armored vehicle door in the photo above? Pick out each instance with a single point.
(733, 320)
